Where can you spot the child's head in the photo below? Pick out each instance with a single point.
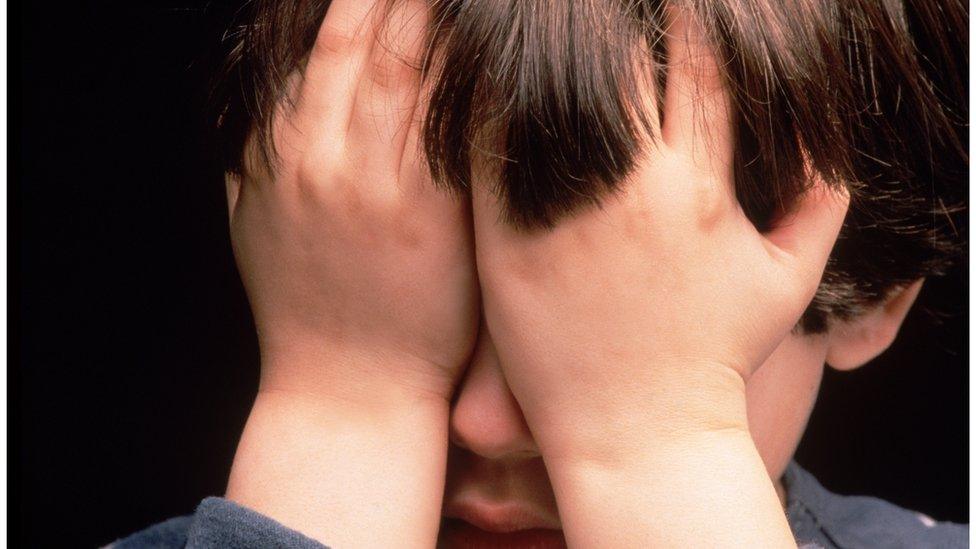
(867, 94)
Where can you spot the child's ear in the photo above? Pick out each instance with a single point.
(852, 344)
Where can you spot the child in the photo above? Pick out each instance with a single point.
(532, 273)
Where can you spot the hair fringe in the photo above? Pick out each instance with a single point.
(869, 94)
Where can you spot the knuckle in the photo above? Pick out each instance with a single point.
(317, 164)
(326, 177)
(388, 72)
(358, 200)
(334, 40)
(333, 181)
(710, 203)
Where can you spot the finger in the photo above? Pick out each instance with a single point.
(341, 48)
(697, 109)
(808, 233)
(410, 160)
(389, 84)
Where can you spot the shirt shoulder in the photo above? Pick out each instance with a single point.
(218, 523)
(830, 520)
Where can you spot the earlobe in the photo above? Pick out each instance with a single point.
(855, 343)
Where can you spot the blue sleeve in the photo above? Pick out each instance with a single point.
(218, 523)
(853, 522)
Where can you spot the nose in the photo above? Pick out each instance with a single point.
(486, 418)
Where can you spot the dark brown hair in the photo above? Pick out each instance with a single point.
(871, 93)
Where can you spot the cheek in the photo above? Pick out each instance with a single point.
(780, 396)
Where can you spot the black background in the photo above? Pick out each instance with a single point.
(133, 360)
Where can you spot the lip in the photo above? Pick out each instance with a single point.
(460, 534)
(475, 523)
(498, 517)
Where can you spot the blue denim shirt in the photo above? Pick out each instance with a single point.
(818, 518)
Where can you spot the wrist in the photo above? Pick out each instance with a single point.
(344, 474)
(681, 448)
(371, 377)
(706, 489)
(671, 408)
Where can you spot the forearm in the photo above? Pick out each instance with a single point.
(345, 476)
(682, 473)
(713, 493)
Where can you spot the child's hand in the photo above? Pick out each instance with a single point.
(667, 283)
(362, 282)
(629, 329)
(359, 272)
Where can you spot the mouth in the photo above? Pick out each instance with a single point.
(473, 526)
(460, 534)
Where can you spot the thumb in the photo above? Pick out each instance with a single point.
(807, 233)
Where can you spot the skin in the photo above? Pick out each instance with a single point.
(362, 281)
(495, 461)
(631, 370)
(366, 284)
